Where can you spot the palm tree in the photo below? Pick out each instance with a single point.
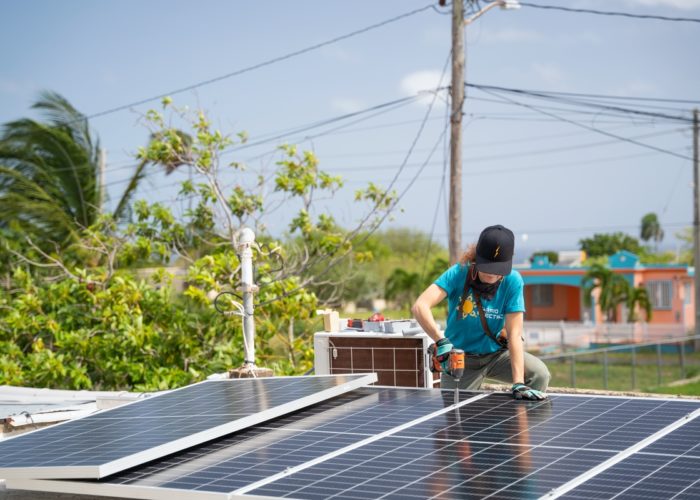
(613, 289)
(638, 298)
(49, 172)
(651, 229)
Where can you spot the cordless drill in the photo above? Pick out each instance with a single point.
(454, 366)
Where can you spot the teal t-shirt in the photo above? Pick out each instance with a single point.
(468, 333)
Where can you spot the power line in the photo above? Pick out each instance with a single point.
(555, 97)
(581, 229)
(261, 64)
(611, 13)
(417, 137)
(384, 107)
(519, 154)
(529, 169)
(595, 129)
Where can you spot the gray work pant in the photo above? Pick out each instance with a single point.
(497, 366)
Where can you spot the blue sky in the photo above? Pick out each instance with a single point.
(552, 182)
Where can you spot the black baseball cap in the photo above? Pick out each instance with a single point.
(494, 250)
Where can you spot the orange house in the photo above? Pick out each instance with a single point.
(555, 293)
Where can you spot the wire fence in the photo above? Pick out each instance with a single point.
(549, 337)
(640, 366)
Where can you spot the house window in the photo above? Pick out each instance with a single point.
(687, 292)
(660, 293)
(542, 295)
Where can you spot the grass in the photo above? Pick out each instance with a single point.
(621, 376)
(689, 389)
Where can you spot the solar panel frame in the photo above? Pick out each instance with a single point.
(96, 471)
(160, 492)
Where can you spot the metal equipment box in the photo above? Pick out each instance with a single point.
(397, 360)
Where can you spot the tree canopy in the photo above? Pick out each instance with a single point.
(601, 245)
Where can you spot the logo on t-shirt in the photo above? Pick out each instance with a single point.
(468, 308)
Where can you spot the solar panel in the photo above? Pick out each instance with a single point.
(496, 446)
(123, 437)
(394, 443)
(254, 454)
(644, 475)
(667, 468)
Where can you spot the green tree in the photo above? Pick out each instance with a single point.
(403, 287)
(651, 230)
(613, 289)
(686, 254)
(314, 244)
(49, 172)
(608, 244)
(550, 254)
(49, 175)
(638, 299)
(51, 315)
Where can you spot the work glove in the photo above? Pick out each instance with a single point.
(521, 391)
(442, 353)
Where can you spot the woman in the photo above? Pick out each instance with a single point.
(484, 295)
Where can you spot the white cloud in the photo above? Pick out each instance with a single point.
(418, 81)
(347, 105)
(423, 81)
(548, 73)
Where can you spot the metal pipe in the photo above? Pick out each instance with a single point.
(605, 369)
(682, 353)
(245, 243)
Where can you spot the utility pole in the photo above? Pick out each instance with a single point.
(696, 215)
(457, 98)
(457, 94)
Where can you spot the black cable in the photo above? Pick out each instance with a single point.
(553, 96)
(418, 134)
(262, 64)
(588, 127)
(384, 108)
(611, 13)
(621, 97)
(520, 154)
(441, 193)
(582, 229)
(304, 128)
